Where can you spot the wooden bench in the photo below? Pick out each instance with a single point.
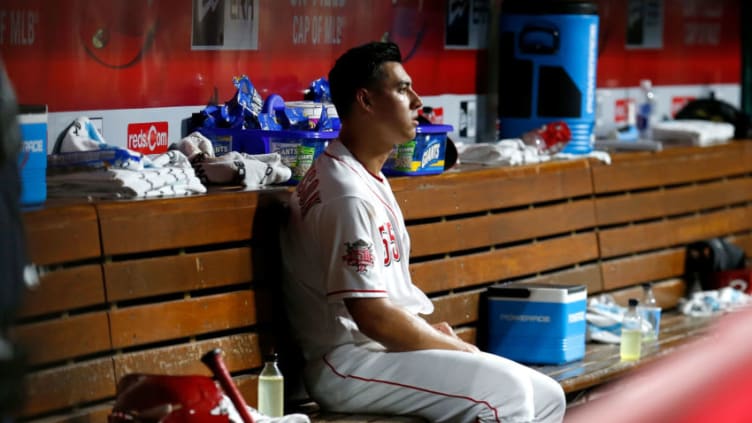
(138, 286)
(148, 286)
(648, 207)
(611, 227)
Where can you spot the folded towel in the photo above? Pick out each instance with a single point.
(692, 132)
(514, 152)
(509, 152)
(84, 165)
(107, 183)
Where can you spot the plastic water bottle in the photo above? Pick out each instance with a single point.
(651, 312)
(631, 333)
(648, 298)
(645, 109)
(271, 392)
(549, 138)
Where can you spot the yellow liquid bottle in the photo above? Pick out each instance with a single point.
(271, 390)
(631, 333)
(631, 344)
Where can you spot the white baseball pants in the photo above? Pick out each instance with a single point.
(438, 385)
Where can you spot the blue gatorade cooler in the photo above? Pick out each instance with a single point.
(536, 323)
(32, 161)
(548, 53)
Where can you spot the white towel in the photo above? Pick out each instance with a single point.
(514, 152)
(709, 303)
(240, 168)
(125, 183)
(86, 166)
(692, 132)
(234, 416)
(508, 152)
(604, 317)
(172, 158)
(196, 144)
(603, 156)
(233, 168)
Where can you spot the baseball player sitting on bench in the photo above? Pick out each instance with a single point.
(350, 300)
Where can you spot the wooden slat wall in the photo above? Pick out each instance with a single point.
(650, 206)
(503, 263)
(63, 289)
(63, 321)
(132, 279)
(194, 291)
(475, 228)
(169, 320)
(490, 189)
(130, 283)
(170, 278)
(61, 235)
(632, 171)
(140, 226)
(58, 339)
(61, 387)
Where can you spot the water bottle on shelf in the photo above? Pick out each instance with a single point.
(645, 109)
(271, 389)
(631, 333)
(650, 312)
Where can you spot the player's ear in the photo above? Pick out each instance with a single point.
(363, 98)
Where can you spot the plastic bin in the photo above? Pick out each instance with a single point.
(298, 148)
(422, 156)
(225, 140)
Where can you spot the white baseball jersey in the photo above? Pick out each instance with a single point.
(345, 238)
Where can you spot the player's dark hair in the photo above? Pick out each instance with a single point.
(359, 67)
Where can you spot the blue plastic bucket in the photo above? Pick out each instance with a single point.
(548, 52)
(422, 156)
(32, 161)
(298, 148)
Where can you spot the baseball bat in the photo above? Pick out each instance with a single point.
(213, 360)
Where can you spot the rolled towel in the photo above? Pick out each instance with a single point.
(236, 168)
(196, 146)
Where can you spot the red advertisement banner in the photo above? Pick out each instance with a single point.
(89, 54)
(119, 54)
